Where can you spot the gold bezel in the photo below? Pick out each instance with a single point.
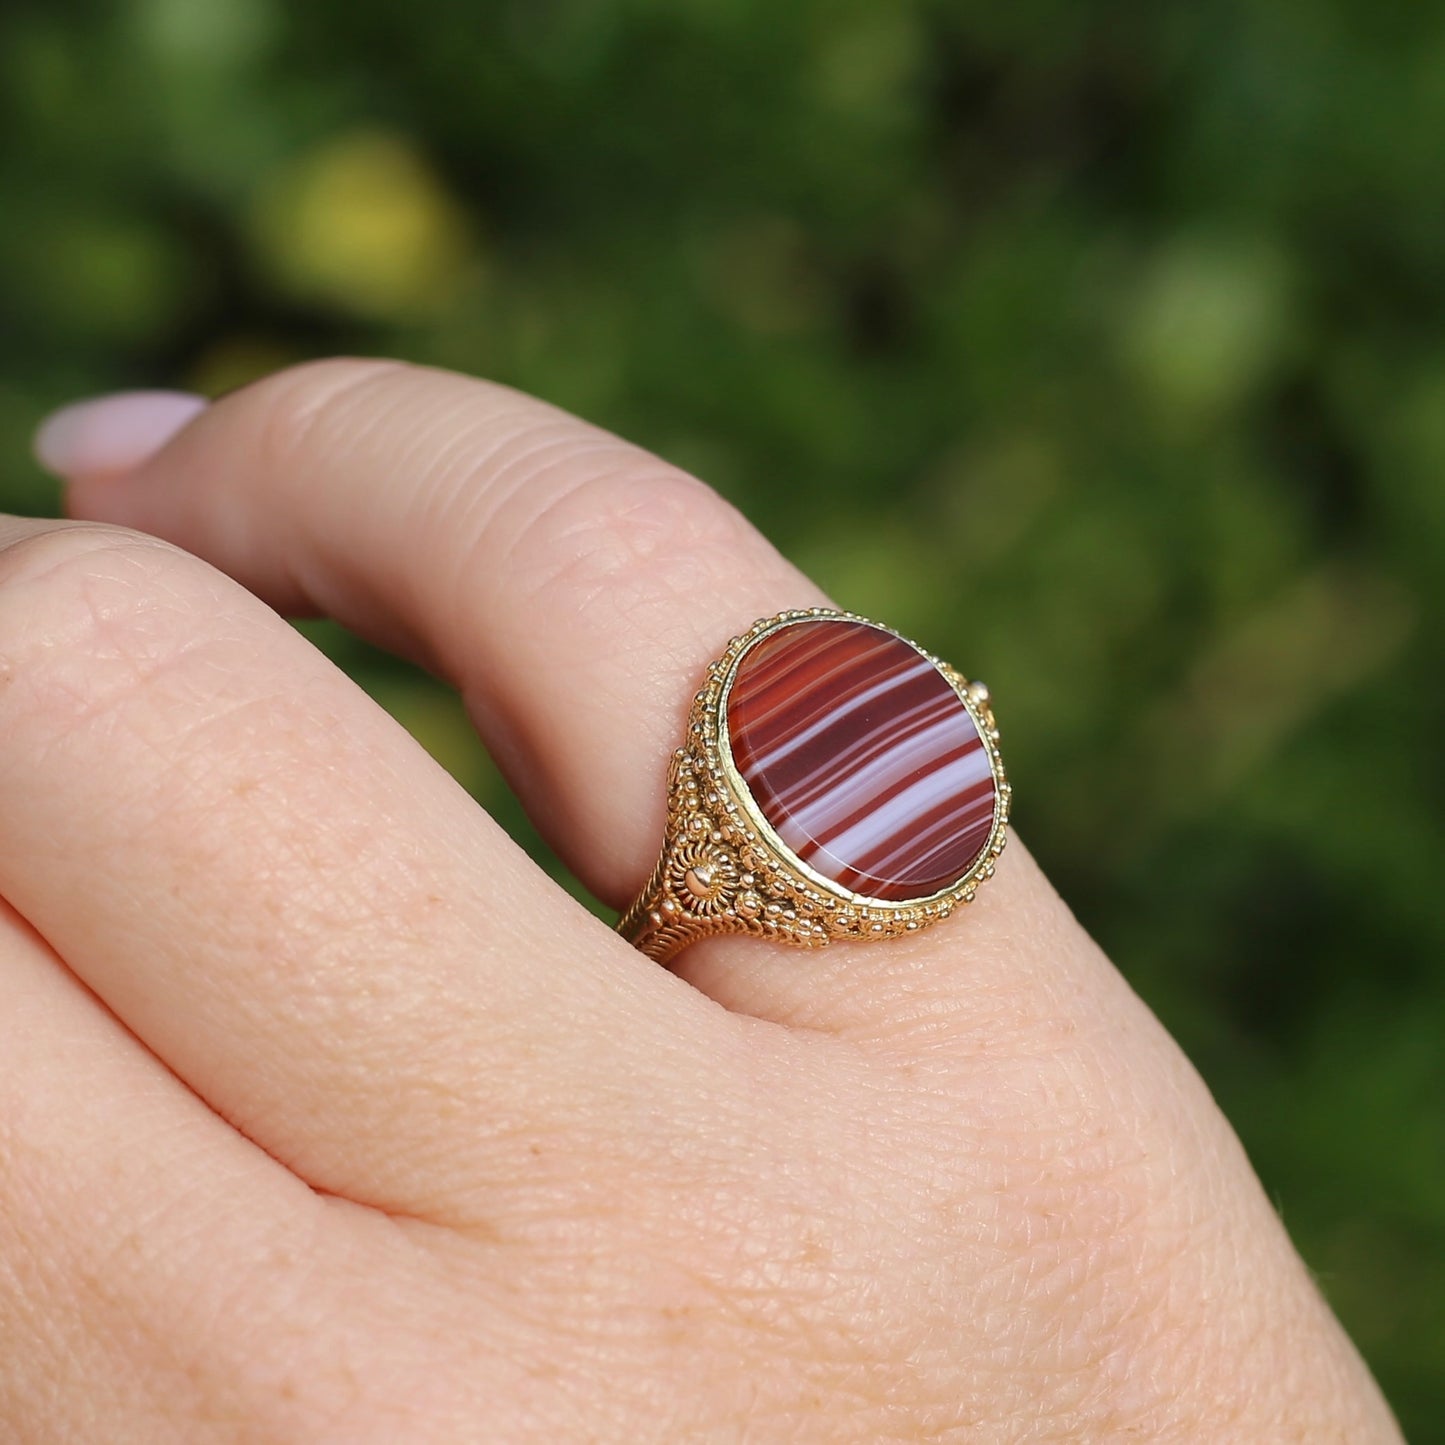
(725, 869)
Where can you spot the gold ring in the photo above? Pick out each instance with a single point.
(836, 781)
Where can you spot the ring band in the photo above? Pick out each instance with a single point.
(835, 781)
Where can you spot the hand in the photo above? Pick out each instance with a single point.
(326, 1117)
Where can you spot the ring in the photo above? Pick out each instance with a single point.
(836, 781)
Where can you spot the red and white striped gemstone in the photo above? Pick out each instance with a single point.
(862, 758)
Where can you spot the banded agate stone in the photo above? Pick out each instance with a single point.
(862, 758)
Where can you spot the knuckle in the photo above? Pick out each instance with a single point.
(295, 410)
(63, 549)
(88, 614)
(611, 522)
(575, 511)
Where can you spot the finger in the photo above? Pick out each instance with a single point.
(573, 587)
(140, 1237)
(287, 900)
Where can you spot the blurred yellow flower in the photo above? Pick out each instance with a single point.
(363, 224)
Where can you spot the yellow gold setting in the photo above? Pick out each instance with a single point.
(723, 869)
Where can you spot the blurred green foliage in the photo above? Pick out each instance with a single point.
(1100, 344)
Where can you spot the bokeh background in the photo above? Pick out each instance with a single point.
(1099, 344)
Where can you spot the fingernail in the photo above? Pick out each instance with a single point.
(112, 433)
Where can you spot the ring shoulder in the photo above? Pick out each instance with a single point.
(708, 879)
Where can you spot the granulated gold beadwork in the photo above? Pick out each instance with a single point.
(725, 868)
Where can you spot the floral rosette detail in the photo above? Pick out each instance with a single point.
(702, 877)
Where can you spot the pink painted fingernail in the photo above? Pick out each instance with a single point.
(112, 433)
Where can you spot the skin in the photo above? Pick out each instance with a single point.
(325, 1117)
